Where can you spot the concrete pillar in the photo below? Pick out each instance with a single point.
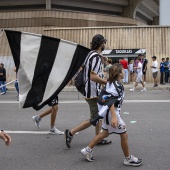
(164, 8)
(48, 4)
(130, 10)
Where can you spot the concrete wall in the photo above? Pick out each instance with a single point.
(154, 39)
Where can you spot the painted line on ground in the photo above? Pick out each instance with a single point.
(82, 101)
(28, 132)
(31, 132)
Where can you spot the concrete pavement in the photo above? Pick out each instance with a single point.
(146, 115)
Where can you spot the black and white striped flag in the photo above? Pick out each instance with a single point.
(44, 65)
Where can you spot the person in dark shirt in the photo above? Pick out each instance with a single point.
(2, 79)
(144, 67)
(166, 69)
(162, 71)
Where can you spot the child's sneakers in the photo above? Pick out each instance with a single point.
(36, 120)
(55, 131)
(132, 161)
(87, 154)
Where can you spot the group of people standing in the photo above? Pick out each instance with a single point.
(136, 71)
(165, 71)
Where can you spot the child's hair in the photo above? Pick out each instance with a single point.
(114, 72)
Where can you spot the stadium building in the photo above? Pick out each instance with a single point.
(130, 26)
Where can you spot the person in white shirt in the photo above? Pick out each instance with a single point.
(131, 70)
(139, 75)
(155, 70)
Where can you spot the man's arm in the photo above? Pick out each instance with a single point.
(94, 77)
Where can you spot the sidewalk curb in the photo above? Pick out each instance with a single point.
(127, 87)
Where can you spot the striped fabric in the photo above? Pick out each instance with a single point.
(93, 63)
(44, 65)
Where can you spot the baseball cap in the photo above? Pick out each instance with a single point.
(98, 38)
(154, 57)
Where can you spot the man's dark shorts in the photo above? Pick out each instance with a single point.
(155, 74)
(53, 102)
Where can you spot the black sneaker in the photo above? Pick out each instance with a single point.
(155, 85)
(68, 138)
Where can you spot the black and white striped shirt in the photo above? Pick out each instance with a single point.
(93, 63)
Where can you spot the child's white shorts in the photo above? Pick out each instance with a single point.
(106, 123)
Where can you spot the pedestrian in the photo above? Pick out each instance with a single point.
(166, 69)
(154, 70)
(93, 78)
(2, 79)
(139, 76)
(162, 71)
(169, 71)
(144, 67)
(53, 110)
(4, 136)
(131, 70)
(106, 69)
(16, 84)
(125, 66)
(110, 110)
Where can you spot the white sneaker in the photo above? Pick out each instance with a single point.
(55, 131)
(132, 161)
(132, 90)
(88, 155)
(144, 89)
(36, 120)
(2, 93)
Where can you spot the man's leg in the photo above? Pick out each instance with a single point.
(46, 112)
(161, 77)
(53, 115)
(37, 118)
(53, 129)
(80, 127)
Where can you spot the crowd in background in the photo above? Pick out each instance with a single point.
(131, 70)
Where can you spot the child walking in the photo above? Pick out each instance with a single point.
(53, 110)
(109, 104)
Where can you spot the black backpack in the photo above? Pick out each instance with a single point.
(79, 81)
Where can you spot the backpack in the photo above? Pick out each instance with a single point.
(79, 81)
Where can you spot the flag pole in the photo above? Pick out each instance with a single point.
(2, 30)
(7, 83)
